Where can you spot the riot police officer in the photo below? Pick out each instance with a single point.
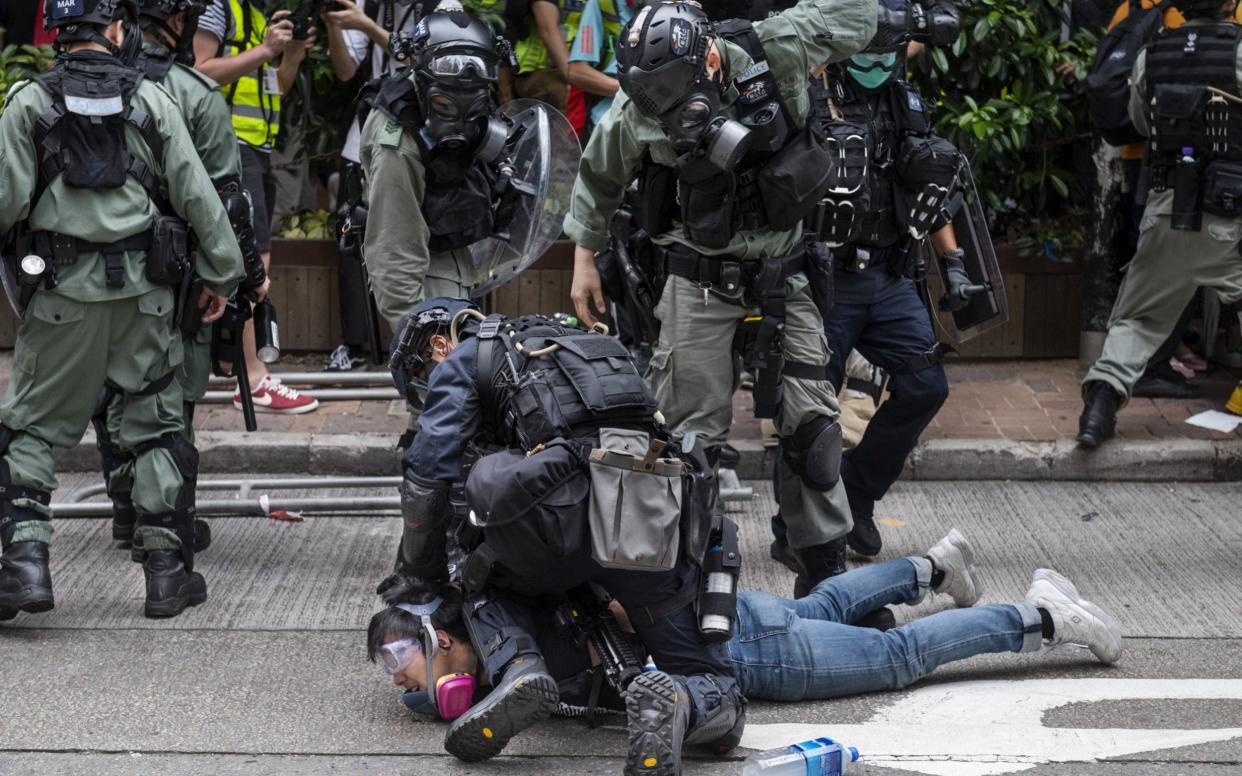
(544, 398)
(712, 120)
(878, 308)
(97, 182)
(1184, 95)
(167, 58)
(428, 148)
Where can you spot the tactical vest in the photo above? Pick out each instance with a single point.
(1181, 65)
(459, 197)
(775, 187)
(256, 114)
(155, 63)
(539, 379)
(888, 117)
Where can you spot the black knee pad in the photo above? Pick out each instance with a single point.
(500, 631)
(814, 452)
(719, 712)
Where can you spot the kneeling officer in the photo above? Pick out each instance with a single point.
(579, 458)
(97, 181)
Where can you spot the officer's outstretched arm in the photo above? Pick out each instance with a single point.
(814, 32)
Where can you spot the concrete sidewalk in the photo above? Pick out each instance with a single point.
(1003, 420)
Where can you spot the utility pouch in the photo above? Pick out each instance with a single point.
(1187, 212)
(536, 411)
(93, 151)
(168, 260)
(1222, 189)
(1179, 116)
(601, 372)
(707, 210)
(189, 318)
(794, 179)
(636, 501)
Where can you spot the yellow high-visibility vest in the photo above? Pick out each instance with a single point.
(256, 115)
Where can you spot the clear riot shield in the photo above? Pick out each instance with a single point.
(545, 164)
(989, 308)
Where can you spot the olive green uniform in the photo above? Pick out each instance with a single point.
(210, 124)
(403, 270)
(692, 365)
(83, 333)
(1168, 267)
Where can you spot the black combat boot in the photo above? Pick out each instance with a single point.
(1098, 421)
(818, 563)
(526, 695)
(657, 710)
(171, 587)
(25, 580)
(864, 539)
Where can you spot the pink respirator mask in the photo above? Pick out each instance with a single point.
(453, 693)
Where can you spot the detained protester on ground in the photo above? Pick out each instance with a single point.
(879, 307)
(712, 121)
(788, 650)
(100, 184)
(430, 153)
(1184, 96)
(570, 481)
(167, 58)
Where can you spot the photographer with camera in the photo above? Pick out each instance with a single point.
(1184, 97)
(874, 237)
(255, 60)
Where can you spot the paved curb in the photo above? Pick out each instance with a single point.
(1183, 460)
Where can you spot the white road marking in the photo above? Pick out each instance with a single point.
(982, 728)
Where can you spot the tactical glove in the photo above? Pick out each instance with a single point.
(959, 286)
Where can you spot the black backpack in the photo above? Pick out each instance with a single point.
(1108, 90)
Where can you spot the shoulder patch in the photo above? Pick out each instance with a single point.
(204, 80)
(390, 135)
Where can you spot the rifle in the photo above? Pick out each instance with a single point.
(586, 619)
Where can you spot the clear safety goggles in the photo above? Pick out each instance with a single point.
(457, 65)
(396, 655)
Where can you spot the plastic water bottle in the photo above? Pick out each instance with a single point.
(818, 757)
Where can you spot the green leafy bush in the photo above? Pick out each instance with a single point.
(18, 63)
(1001, 99)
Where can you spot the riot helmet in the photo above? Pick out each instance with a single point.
(153, 16)
(455, 58)
(83, 21)
(662, 67)
(409, 361)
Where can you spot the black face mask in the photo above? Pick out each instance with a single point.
(456, 118)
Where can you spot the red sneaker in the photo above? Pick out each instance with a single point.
(274, 396)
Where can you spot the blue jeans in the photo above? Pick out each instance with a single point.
(786, 650)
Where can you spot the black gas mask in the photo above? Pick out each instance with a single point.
(697, 130)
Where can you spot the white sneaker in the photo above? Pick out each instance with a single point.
(956, 558)
(1075, 622)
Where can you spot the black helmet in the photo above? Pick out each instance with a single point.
(68, 15)
(661, 55)
(153, 15)
(406, 362)
(452, 47)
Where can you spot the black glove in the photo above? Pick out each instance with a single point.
(959, 286)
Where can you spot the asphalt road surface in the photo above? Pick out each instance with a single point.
(269, 677)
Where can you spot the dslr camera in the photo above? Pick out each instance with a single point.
(303, 14)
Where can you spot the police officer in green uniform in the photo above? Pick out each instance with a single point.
(98, 178)
(712, 120)
(167, 56)
(1184, 96)
(425, 152)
